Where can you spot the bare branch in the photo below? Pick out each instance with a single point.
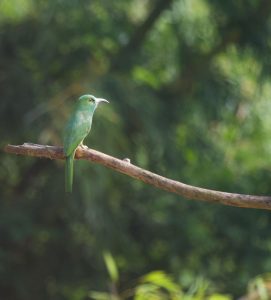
(125, 167)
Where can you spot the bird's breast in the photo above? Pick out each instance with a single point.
(84, 117)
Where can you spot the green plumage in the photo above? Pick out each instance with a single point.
(76, 130)
(69, 173)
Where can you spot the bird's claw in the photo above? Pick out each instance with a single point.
(83, 146)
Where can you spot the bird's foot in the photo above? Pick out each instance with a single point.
(81, 145)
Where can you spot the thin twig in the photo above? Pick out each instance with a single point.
(126, 167)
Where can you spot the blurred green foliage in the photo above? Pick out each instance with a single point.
(158, 285)
(189, 87)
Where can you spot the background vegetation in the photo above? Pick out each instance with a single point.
(189, 89)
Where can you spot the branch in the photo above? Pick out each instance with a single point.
(125, 167)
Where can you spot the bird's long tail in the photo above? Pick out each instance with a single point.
(69, 173)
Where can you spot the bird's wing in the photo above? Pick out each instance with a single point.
(76, 130)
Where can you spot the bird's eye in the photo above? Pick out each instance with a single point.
(91, 100)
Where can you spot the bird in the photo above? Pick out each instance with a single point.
(76, 129)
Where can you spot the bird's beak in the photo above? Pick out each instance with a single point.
(98, 100)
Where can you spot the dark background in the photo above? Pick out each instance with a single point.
(189, 89)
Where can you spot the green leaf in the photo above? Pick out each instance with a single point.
(111, 266)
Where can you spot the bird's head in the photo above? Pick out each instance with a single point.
(91, 100)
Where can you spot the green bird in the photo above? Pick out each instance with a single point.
(76, 130)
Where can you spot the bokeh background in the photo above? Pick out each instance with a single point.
(189, 89)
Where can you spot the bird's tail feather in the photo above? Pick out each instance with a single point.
(69, 173)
